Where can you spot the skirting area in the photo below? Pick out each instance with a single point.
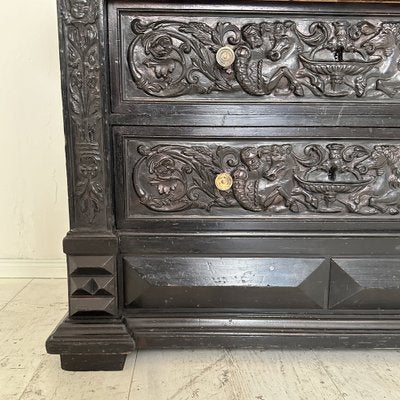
(21, 268)
(30, 308)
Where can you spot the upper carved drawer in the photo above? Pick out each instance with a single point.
(259, 57)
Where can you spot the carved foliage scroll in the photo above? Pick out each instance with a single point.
(278, 58)
(272, 179)
(80, 19)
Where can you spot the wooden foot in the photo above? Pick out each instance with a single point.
(91, 345)
(92, 362)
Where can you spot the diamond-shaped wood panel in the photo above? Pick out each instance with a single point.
(91, 265)
(226, 282)
(92, 285)
(372, 283)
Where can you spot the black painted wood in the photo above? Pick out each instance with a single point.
(253, 330)
(241, 282)
(95, 362)
(251, 201)
(365, 283)
(91, 344)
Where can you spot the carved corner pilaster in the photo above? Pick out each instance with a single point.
(82, 57)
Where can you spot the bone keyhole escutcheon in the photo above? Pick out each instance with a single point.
(225, 57)
(223, 181)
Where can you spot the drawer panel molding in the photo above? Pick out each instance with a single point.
(201, 282)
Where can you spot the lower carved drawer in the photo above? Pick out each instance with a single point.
(261, 283)
(227, 179)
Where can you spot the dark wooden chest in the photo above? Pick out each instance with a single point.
(234, 176)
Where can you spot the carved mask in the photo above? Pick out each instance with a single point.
(250, 157)
(89, 166)
(161, 47)
(252, 35)
(79, 8)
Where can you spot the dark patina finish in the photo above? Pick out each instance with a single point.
(234, 176)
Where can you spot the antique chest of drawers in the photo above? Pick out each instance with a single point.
(234, 176)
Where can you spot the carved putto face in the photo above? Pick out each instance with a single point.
(89, 166)
(79, 8)
(161, 47)
(252, 35)
(163, 167)
(250, 157)
(280, 29)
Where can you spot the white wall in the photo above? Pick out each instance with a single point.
(33, 196)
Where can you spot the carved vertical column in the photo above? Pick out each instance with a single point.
(82, 57)
(91, 245)
(84, 82)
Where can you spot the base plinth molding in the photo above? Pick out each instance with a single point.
(91, 345)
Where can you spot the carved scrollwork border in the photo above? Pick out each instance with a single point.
(82, 53)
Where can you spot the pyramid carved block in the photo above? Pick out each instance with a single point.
(92, 285)
(372, 283)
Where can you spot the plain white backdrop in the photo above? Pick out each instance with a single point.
(33, 189)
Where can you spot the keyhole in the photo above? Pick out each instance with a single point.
(332, 173)
(339, 54)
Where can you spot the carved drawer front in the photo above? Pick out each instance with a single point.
(227, 179)
(278, 56)
(365, 283)
(225, 282)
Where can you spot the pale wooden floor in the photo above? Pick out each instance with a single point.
(29, 310)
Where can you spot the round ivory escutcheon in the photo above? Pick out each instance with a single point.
(223, 181)
(225, 57)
